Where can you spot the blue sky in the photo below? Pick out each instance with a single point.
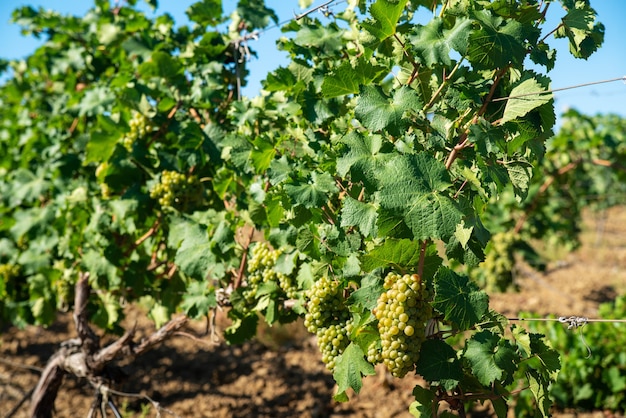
(609, 62)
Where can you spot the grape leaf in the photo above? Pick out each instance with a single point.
(585, 35)
(497, 42)
(194, 256)
(379, 112)
(347, 79)
(423, 405)
(313, 193)
(460, 300)
(412, 186)
(490, 358)
(433, 43)
(549, 358)
(359, 214)
(516, 107)
(385, 16)
(539, 388)
(198, 299)
(100, 147)
(350, 367)
(438, 363)
(368, 293)
(403, 254)
(365, 157)
(205, 12)
(242, 328)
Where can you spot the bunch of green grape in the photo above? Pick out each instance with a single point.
(139, 127)
(497, 270)
(261, 270)
(177, 190)
(328, 318)
(402, 312)
(9, 272)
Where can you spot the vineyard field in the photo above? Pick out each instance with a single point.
(280, 374)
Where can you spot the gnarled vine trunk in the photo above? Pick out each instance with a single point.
(83, 357)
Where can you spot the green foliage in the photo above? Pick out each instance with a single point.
(592, 362)
(126, 152)
(581, 168)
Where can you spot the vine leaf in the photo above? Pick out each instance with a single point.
(198, 299)
(313, 193)
(401, 253)
(585, 35)
(548, 357)
(438, 362)
(491, 358)
(496, 44)
(412, 186)
(385, 16)
(350, 367)
(379, 112)
(347, 79)
(460, 300)
(424, 399)
(368, 293)
(433, 43)
(363, 159)
(359, 214)
(194, 256)
(520, 106)
(205, 12)
(539, 388)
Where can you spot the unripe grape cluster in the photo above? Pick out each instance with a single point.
(402, 312)
(497, 269)
(328, 318)
(9, 272)
(139, 127)
(261, 270)
(177, 190)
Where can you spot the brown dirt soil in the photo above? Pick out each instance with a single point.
(280, 374)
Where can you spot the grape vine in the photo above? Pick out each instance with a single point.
(384, 145)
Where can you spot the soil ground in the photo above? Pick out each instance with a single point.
(280, 374)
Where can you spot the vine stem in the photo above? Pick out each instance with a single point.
(420, 265)
(463, 141)
(148, 234)
(550, 33)
(244, 261)
(432, 100)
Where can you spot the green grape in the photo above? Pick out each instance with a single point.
(402, 312)
(497, 269)
(261, 270)
(177, 190)
(139, 127)
(328, 318)
(9, 272)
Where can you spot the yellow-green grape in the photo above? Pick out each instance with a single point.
(9, 272)
(139, 127)
(402, 312)
(328, 318)
(332, 341)
(261, 270)
(497, 269)
(177, 190)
